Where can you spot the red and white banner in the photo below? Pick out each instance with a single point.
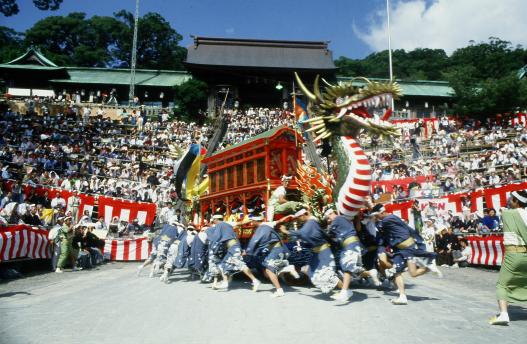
(108, 206)
(21, 241)
(126, 210)
(388, 185)
(497, 197)
(480, 200)
(128, 249)
(486, 250)
(430, 125)
(519, 119)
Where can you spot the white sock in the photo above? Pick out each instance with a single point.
(279, 290)
(504, 316)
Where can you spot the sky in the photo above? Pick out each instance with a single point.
(354, 28)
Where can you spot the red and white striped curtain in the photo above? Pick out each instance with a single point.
(22, 241)
(126, 210)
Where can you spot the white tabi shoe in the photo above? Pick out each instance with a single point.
(278, 293)
(343, 296)
(401, 300)
(374, 275)
(291, 270)
(164, 277)
(223, 285)
(256, 285)
(434, 270)
(58, 270)
(389, 273)
(501, 319)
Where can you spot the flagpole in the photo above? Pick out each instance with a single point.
(390, 47)
(294, 114)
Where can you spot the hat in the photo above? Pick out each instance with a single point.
(191, 227)
(66, 218)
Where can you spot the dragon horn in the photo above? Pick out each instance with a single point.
(304, 88)
(316, 89)
(327, 83)
(361, 78)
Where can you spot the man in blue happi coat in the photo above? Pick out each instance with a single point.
(342, 231)
(403, 240)
(267, 247)
(160, 246)
(174, 251)
(225, 252)
(321, 266)
(198, 257)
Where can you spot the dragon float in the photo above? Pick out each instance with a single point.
(340, 113)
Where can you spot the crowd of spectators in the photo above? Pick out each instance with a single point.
(244, 124)
(454, 158)
(133, 158)
(89, 154)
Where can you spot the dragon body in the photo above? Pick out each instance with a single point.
(341, 113)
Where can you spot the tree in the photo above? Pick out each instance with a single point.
(73, 40)
(102, 41)
(418, 64)
(482, 98)
(494, 59)
(10, 44)
(10, 7)
(157, 43)
(191, 97)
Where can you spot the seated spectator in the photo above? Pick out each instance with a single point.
(93, 245)
(490, 221)
(462, 257)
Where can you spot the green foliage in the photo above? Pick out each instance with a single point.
(10, 7)
(102, 41)
(191, 97)
(10, 44)
(419, 64)
(483, 75)
(157, 42)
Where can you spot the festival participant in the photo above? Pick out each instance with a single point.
(512, 282)
(267, 247)
(74, 202)
(54, 241)
(198, 257)
(401, 239)
(160, 246)
(222, 238)
(174, 251)
(370, 238)
(322, 267)
(278, 203)
(343, 232)
(66, 250)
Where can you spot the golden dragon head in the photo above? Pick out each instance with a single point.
(344, 109)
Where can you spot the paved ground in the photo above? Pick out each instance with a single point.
(112, 305)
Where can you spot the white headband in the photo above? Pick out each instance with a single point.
(300, 212)
(519, 197)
